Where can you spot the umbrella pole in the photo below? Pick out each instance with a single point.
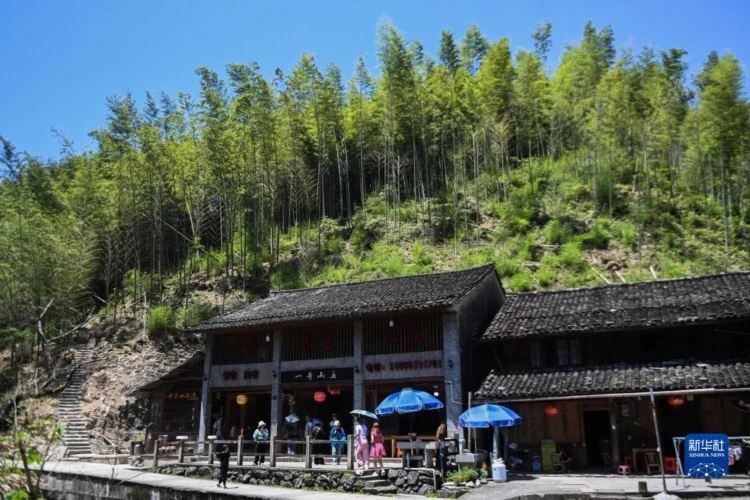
(469, 436)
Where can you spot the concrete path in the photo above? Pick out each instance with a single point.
(124, 473)
(606, 486)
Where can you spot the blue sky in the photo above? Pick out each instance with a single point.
(60, 60)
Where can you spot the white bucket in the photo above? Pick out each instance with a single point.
(499, 474)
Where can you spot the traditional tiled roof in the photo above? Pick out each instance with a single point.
(650, 304)
(352, 300)
(612, 379)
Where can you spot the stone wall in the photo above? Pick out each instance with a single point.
(416, 481)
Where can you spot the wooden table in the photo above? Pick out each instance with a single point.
(635, 452)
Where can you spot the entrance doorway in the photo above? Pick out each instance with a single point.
(597, 435)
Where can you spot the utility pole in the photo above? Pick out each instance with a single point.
(658, 442)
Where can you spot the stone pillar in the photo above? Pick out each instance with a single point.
(359, 384)
(276, 406)
(452, 374)
(205, 416)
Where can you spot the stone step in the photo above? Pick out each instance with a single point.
(376, 483)
(381, 490)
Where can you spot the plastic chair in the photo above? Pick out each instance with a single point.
(628, 460)
(652, 462)
(670, 465)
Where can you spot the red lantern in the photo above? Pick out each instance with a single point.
(551, 410)
(676, 401)
(319, 396)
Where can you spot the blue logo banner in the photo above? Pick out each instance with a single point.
(706, 455)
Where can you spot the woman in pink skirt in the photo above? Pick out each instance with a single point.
(361, 444)
(377, 450)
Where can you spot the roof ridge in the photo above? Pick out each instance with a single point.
(680, 362)
(352, 283)
(626, 285)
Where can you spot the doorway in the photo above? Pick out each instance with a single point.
(597, 436)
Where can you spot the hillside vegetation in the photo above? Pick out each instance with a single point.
(606, 168)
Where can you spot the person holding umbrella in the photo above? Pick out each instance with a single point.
(362, 444)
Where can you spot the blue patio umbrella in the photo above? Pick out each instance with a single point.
(486, 415)
(408, 401)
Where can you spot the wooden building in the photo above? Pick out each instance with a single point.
(332, 349)
(578, 365)
(174, 400)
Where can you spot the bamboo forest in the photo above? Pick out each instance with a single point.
(606, 166)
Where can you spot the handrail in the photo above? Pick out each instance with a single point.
(237, 448)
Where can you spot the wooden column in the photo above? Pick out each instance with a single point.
(204, 421)
(615, 433)
(276, 403)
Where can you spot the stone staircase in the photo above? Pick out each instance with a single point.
(70, 407)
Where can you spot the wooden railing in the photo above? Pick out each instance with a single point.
(241, 448)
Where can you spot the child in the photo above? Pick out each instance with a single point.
(377, 450)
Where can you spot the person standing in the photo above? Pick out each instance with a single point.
(308, 426)
(334, 417)
(260, 436)
(223, 457)
(317, 434)
(362, 444)
(217, 428)
(337, 437)
(377, 449)
(291, 435)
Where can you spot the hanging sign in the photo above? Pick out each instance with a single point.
(325, 374)
(706, 455)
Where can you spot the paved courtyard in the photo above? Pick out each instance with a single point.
(524, 487)
(592, 486)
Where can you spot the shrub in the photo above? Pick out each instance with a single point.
(160, 320)
(597, 237)
(462, 475)
(507, 268)
(571, 255)
(334, 245)
(521, 282)
(419, 255)
(546, 276)
(556, 232)
(624, 231)
(195, 313)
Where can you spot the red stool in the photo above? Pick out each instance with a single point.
(670, 465)
(623, 470)
(628, 460)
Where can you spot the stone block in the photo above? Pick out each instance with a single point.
(424, 489)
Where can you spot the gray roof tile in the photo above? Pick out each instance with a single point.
(612, 379)
(651, 304)
(354, 300)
